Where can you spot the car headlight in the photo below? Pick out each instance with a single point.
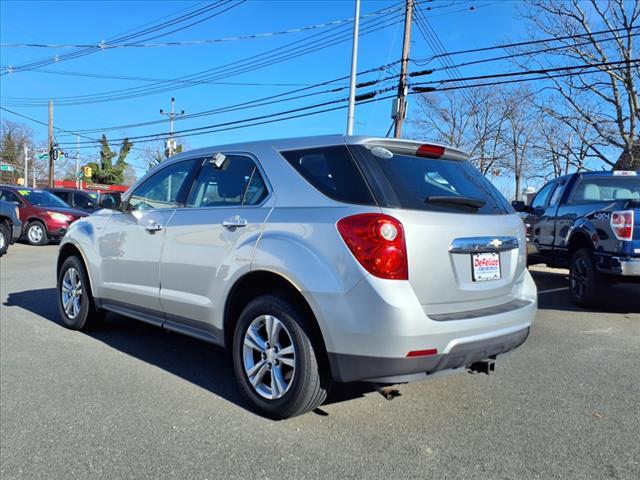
(60, 217)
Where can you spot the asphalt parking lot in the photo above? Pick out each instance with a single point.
(133, 401)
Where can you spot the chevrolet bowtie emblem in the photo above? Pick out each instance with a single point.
(496, 243)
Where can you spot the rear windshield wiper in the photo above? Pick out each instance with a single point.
(462, 201)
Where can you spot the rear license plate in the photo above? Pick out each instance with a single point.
(485, 266)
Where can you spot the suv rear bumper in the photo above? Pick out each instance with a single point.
(370, 330)
(347, 368)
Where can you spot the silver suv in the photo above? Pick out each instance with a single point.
(313, 260)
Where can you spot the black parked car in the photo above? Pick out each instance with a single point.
(87, 200)
(10, 225)
(590, 223)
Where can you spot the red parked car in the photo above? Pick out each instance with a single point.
(44, 216)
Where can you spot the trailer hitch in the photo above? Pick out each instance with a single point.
(483, 366)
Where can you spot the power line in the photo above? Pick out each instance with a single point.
(121, 38)
(364, 98)
(531, 72)
(267, 58)
(259, 102)
(191, 42)
(426, 60)
(432, 39)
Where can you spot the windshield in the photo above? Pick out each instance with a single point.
(41, 198)
(419, 183)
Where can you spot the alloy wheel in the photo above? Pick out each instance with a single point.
(71, 293)
(579, 277)
(269, 357)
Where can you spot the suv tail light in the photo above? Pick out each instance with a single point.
(377, 241)
(622, 224)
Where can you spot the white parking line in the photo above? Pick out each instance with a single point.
(551, 290)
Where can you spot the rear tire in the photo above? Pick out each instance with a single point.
(75, 301)
(286, 377)
(36, 233)
(5, 238)
(586, 284)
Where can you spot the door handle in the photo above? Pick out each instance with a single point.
(153, 227)
(234, 222)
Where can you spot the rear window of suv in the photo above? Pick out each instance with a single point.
(415, 183)
(333, 171)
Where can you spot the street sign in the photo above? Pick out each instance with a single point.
(41, 156)
(6, 168)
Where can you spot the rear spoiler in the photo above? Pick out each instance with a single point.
(415, 148)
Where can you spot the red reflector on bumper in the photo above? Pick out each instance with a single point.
(422, 353)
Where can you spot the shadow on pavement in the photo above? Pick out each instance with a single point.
(198, 362)
(620, 298)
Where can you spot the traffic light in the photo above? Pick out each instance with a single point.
(87, 172)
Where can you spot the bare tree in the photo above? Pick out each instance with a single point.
(599, 104)
(518, 135)
(448, 117)
(156, 152)
(559, 148)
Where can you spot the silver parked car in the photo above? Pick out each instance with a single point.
(314, 260)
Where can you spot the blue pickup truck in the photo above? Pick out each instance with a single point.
(589, 223)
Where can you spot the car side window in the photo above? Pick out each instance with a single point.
(8, 196)
(82, 200)
(161, 190)
(237, 182)
(557, 193)
(540, 200)
(64, 196)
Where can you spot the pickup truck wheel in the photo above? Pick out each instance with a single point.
(75, 302)
(586, 284)
(36, 233)
(274, 359)
(5, 238)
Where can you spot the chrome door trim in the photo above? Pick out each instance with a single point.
(483, 244)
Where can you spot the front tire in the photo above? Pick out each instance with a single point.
(36, 233)
(75, 302)
(586, 284)
(274, 359)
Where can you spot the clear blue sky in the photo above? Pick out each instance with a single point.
(90, 22)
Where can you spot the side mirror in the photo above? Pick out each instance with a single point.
(519, 206)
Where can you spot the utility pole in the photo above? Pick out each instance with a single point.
(51, 167)
(354, 65)
(172, 114)
(400, 110)
(78, 181)
(26, 159)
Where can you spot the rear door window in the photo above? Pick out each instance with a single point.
(333, 172)
(419, 183)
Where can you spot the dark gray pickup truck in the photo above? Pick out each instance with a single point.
(590, 223)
